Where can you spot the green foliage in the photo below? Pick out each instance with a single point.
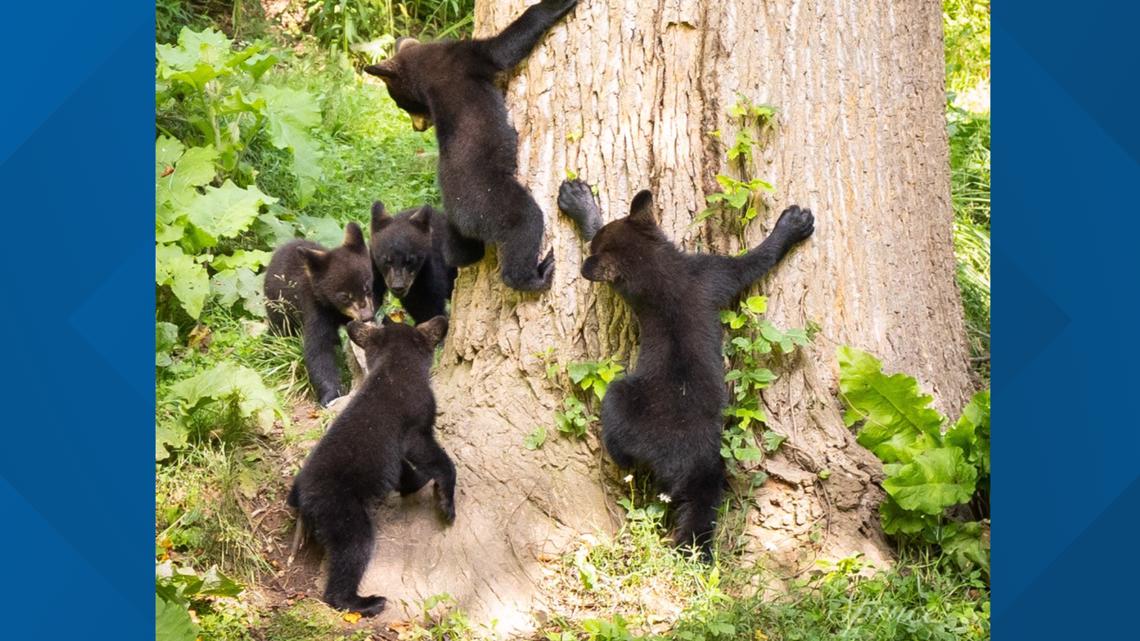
(594, 376)
(574, 419)
(536, 439)
(369, 27)
(929, 468)
(751, 345)
(221, 401)
(441, 621)
(740, 195)
(177, 589)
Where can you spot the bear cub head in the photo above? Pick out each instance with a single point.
(342, 277)
(398, 344)
(400, 245)
(624, 252)
(401, 74)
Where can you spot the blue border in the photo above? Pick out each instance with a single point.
(75, 469)
(76, 477)
(1066, 442)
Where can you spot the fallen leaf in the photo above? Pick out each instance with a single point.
(351, 617)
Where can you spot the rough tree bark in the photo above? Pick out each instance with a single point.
(626, 94)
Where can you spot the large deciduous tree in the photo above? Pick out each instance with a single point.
(628, 95)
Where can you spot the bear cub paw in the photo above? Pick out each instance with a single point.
(577, 200)
(796, 222)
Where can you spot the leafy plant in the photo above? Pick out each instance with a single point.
(218, 401)
(930, 466)
(180, 588)
(594, 376)
(448, 625)
(751, 344)
(574, 419)
(740, 195)
(536, 438)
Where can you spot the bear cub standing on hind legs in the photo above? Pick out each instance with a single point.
(407, 258)
(383, 440)
(317, 290)
(666, 415)
(451, 84)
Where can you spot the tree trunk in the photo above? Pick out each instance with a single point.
(626, 95)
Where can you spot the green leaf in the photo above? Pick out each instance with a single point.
(177, 175)
(198, 58)
(165, 339)
(167, 438)
(756, 304)
(772, 440)
(535, 439)
(291, 114)
(232, 285)
(188, 280)
(250, 259)
(963, 543)
(898, 418)
(325, 231)
(227, 381)
(896, 520)
(579, 371)
(226, 211)
(936, 479)
(972, 432)
(172, 621)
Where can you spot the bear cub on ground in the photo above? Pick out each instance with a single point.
(407, 259)
(666, 414)
(451, 84)
(383, 440)
(315, 291)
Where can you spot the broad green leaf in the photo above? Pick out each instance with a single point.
(248, 258)
(963, 542)
(578, 371)
(228, 381)
(325, 231)
(172, 621)
(972, 432)
(165, 339)
(167, 437)
(176, 183)
(898, 418)
(274, 231)
(226, 211)
(896, 520)
(933, 481)
(230, 286)
(757, 304)
(291, 114)
(188, 280)
(198, 58)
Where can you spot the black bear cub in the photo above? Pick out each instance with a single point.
(407, 259)
(666, 415)
(317, 290)
(382, 441)
(451, 84)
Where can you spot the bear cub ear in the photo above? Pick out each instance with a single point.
(386, 70)
(405, 42)
(434, 330)
(421, 219)
(361, 333)
(380, 217)
(354, 238)
(316, 260)
(641, 208)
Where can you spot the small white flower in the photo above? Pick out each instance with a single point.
(628, 478)
(664, 498)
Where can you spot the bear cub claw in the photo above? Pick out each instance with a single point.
(796, 222)
(367, 606)
(577, 200)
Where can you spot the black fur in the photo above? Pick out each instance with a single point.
(316, 291)
(666, 415)
(451, 84)
(407, 258)
(382, 441)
